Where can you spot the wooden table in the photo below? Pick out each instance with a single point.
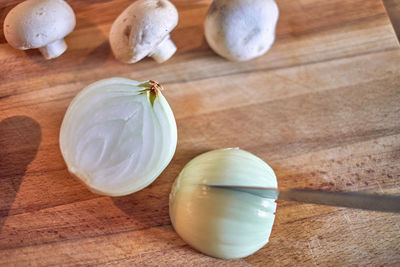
(322, 108)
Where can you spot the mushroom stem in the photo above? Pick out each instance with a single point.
(53, 49)
(164, 50)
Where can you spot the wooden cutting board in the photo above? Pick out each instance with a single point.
(322, 108)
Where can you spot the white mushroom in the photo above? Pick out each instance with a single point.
(143, 30)
(40, 24)
(241, 30)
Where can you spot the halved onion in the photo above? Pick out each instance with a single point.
(220, 222)
(118, 135)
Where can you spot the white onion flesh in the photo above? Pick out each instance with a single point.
(219, 222)
(118, 135)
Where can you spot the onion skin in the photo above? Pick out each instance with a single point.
(219, 222)
(118, 135)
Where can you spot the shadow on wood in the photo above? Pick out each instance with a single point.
(20, 137)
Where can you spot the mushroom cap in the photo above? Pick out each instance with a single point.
(36, 23)
(141, 28)
(241, 29)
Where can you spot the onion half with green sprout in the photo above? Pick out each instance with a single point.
(118, 135)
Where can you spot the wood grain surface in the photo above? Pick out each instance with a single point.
(322, 107)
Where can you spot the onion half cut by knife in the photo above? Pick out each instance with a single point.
(220, 222)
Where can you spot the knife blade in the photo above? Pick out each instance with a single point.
(357, 200)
